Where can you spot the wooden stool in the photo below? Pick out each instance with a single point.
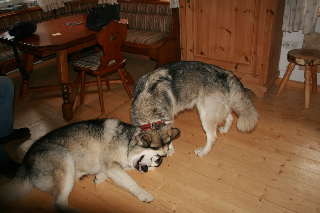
(305, 57)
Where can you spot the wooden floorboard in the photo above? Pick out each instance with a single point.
(276, 168)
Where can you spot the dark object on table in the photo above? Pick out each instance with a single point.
(99, 17)
(21, 30)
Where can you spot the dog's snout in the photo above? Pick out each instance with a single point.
(144, 168)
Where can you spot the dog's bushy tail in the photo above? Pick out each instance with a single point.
(242, 105)
(17, 188)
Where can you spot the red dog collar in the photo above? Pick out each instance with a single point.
(148, 126)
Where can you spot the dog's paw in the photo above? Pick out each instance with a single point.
(99, 178)
(145, 196)
(170, 151)
(200, 152)
(84, 176)
(80, 175)
(223, 130)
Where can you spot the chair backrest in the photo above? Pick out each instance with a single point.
(111, 37)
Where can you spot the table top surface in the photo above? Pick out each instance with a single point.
(44, 40)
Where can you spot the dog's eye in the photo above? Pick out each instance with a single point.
(167, 143)
(155, 148)
(159, 161)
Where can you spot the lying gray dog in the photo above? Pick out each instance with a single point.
(105, 148)
(161, 94)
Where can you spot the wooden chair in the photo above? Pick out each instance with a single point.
(100, 64)
(304, 57)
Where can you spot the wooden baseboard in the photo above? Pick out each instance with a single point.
(296, 84)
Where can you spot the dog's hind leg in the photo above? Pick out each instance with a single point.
(63, 182)
(211, 139)
(227, 125)
(209, 125)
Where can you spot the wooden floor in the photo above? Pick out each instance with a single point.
(276, 168)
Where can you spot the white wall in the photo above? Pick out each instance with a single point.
(297, 75)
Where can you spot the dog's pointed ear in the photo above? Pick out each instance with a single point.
(144, 140)
(175, 132)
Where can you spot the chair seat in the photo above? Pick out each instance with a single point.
(91, 62)
(304, 57)
(7, 54)
(145, 37)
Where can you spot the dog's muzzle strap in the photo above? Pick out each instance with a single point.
(148, 126)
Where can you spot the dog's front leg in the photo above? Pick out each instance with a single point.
(170, 150)
(99, 178)
(120, 177)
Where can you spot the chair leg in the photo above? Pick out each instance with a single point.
(307, 86)
(83, 82)
(107, 82)
(314, 78)
(77, 56)
(100, 94)
(286, 77)
(128, 78)
(124, 81)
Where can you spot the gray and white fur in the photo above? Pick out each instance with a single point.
(102, 147)
(175, 87)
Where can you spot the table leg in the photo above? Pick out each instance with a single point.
(27, 63)
(64, 81)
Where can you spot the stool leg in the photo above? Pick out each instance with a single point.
(286, 77)
(100, 94)
(307, 86)
(314, 78)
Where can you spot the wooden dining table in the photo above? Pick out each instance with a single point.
(56, 37)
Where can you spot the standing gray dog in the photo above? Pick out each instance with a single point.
(161, 94)
(105, 148)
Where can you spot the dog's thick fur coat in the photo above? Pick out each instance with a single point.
(168, 90)
(105, 148)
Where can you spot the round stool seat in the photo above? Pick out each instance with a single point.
(304, 57)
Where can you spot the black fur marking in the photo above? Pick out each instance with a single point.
(160, 80)
(240, 83)
(139, 86)
(125, 130)
(40, 145)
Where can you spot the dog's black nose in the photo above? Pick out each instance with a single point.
(144, 168)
